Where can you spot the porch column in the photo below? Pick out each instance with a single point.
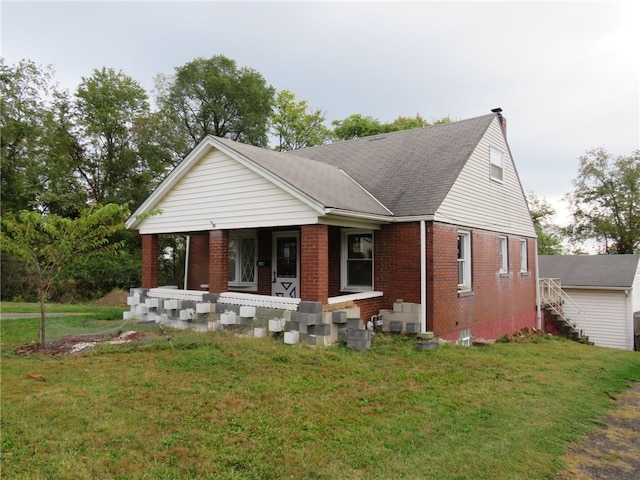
(198, 272)
(150, 256)
(218, 261)
(314, 263)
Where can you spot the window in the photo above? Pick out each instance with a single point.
(524, 260)
(503, 253)
(496, 162)
(464, 261)
(357, 260)
(242, 259)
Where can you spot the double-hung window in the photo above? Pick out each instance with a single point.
(496, 161)
(503, 253)
(242, 259)
(357, 260)
(464, 260)
(524, 260)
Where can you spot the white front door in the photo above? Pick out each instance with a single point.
(285, 270)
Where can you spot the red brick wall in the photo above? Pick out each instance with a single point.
(335, 246)
(218, 261)
(198, 271)
(508, 301)
(314, 263)
(264, 255)
(150, 255)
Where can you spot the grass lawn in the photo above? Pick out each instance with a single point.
(221, 406)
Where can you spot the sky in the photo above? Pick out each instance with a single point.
(566, 74)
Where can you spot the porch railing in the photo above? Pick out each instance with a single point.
(552, 296)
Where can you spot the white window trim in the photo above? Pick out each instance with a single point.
(238, 236)
(524, 255)
(496, 158)
(503, 254)
(466, 259)
(343, 261)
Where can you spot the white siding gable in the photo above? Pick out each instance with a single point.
(218, 192)
(607, 320)
(476, 200)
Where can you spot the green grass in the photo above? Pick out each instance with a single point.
(220, 406)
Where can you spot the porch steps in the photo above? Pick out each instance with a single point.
(568, 328)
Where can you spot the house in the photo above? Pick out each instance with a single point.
(430, 222)
(606, 291)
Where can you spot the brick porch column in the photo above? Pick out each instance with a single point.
(314, 263)
(198, 272)
(150, 255)
(218, 261)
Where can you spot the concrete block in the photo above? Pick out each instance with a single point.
(203, 307)
(353, 312)
(247, 311)
(259, 332)
(322, 329)
(412, 328)
(359, 335)
(210, 297)
(172, 304)
(397, 307)
(343, 333)
(214, 326)
(128, 315)
(354, 324)
(310, 318)
(133, 301)
(228, 318)
(360, 345)
(276, 325)
(246, 321)
(310, 307)
(151, 302)
(291, 337)
(411, 308)
(426, 345)
(141, 309)
(339, 316)
(187, 314)
(395, 326)
(292, 326)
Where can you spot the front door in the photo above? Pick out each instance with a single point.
(286, 265)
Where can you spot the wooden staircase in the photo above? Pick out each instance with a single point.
(563, 311)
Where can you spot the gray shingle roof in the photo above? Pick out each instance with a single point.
(410, 171)
(607, 271)
(323, 182)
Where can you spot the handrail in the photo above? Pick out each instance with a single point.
(553, 296)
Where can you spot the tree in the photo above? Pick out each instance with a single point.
(606, 200)
(356, 126)
(212, 96)
(542, 213)
(50, 244)
(294, 125)
(37, 148)
(107, 106)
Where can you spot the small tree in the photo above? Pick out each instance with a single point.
(606, 200)
(542, 213)
(294, 125)
(50, 244)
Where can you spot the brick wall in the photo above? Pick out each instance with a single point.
(198, 271)
(150, 255)
(218, 261)
(314, 263)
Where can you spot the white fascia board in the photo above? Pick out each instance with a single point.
(414, 218)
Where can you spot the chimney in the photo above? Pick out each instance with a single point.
(503, 121)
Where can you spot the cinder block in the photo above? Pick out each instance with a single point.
(259, 332)
(141, 309)
(172, 304)
(210, 297)
(203, 307)
(397, 307)
(291, 337)
(187, 314)
(128, 315)
(412, 328)
(339, 316)
(276, 325)
(355, 324)
(292, 326)
(343, 333)
(310, 307)
(228, 318)
(133, 301)
(359, 335)
(322, 329)
(360, 345)
(395, 326)
(246, 321)
(247, 311)
(310, 318)
(353, 312)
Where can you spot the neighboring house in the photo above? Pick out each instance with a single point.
(605, 288)
(433, 216)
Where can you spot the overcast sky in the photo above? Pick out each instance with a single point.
(566, 74)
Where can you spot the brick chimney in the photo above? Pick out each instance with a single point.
(503, 121)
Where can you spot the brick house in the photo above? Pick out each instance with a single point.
(434, 216)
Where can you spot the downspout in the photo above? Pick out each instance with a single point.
(538, 301)
(423, 277)
(186, 262)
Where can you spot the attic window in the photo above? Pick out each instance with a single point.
(496, 161)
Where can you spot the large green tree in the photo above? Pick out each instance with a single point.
(108, 103)
(606, 200)
(549, 234)
(212, 96)
(38, 151)
(50, 245)
(295, 125)
(358, 126)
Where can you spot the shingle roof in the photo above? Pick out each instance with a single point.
(607, 271)
(323, 182)
(410, 171)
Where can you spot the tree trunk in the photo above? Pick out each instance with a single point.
(42, 318)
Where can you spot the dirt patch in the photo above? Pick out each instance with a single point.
(612, 452)
(116, 298)
(525, 334)
(76, 344)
